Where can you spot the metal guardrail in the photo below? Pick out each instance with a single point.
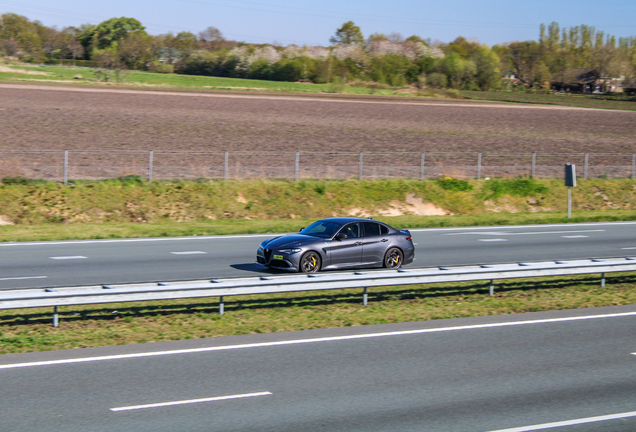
(55, 297)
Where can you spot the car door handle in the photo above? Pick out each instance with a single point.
(385, 240)
(357, 243)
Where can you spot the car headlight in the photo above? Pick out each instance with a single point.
(289, 251)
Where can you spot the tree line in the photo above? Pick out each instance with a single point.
(379, 59)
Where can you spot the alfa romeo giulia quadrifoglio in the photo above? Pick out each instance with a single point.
(338, 243)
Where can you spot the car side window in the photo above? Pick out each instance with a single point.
(383, 230)
(371, 229)
(352, 230)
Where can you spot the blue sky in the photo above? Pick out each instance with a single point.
(313, 23)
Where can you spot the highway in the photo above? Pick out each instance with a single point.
(575, 370)
(94, 262)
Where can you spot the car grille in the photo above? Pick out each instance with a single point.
(268, 255)
(279, 263)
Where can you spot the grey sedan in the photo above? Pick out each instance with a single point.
(338, 243)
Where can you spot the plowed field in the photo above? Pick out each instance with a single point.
(56, 118)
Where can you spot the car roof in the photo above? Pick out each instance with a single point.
(343, 220)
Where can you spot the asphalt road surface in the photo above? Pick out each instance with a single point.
(94, 262)
(559, 371)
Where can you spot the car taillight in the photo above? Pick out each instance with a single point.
(409, 238)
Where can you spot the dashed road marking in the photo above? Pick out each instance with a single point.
(188, 253)
(576, 236)
(569, 422)
(24, 277)
(190, 401)
(69, 257)
(493, 240)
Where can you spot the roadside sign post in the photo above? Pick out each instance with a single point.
(570, 182)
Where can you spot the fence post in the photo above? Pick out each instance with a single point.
(65, 167)
(478, 166)
(633, 166)
(492, 288)
(360, 168)
(150, 166)
(602, 280)
(365, 297)
(534, 165)
(422, 166)
(296, 167)
(55, 317)
(225, 167)
(587, 156)
(221, 306)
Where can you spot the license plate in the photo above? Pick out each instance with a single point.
(279, 257)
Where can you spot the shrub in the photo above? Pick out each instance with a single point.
(131, 179)
(21, 181)
(451, 184)
(517, 187)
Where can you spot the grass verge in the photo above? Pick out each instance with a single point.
(47, 74)
(110, 230)
(30, 330)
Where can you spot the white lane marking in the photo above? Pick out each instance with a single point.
(25, 277)
(274, 235)
(592, 224)
(191, 401)
(188, 253)
(315, 340)
(629, 248)
(569, 422)
(498, 233)
(69, 257)
(576, 236)
(138, 240)
(492, 240)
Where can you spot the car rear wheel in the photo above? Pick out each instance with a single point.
(310, 262)
(393, 258)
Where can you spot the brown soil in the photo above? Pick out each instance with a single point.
(33, 118)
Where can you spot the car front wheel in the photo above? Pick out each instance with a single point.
(310, 262)
(393, 258)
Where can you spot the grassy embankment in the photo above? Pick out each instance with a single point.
(25, 73)
(137, 209)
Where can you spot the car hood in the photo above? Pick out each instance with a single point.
(289, 240)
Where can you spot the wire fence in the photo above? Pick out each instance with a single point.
(169, 165)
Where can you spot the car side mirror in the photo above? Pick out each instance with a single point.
(341, 236)
(301, 229)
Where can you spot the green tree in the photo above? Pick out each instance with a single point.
(109, 32)
(348, 34)
(487, 68)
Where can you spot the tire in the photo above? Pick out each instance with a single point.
(393, 258)
(310, 262)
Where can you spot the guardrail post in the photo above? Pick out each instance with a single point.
(422, 166)
(55, 317)
(296, 166)
(365, 297)
(360, 168)
(602, 280)
(478, 166)
(150, 166)
(221, 306)
(225, 166)
(587, 158)
(65, 167)
(534, 165)
(492, 287)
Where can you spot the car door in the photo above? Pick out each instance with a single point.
(346, 251)
(374, 242)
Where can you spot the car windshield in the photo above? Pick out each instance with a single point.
(322, 229)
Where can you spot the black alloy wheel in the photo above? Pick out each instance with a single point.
(393, 258)
(310, 262)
